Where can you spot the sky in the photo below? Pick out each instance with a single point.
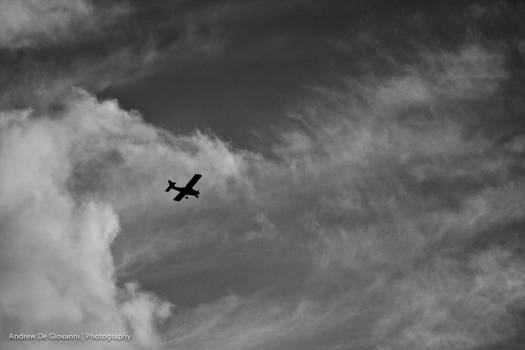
(363, 174)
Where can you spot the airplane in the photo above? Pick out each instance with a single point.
(186, 191)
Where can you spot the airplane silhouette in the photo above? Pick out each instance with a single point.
(186, 191)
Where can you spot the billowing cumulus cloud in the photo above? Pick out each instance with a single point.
(60, 273)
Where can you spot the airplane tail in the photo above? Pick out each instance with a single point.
(171, 185)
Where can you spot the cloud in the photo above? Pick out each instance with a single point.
(69, 179)
(418, 238)
(445, 307)
(98, 49)
(393, 213)
(57, 248)
(35, 23)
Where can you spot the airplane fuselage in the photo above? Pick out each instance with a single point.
(186, 191)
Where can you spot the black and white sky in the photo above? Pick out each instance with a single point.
(363, 173)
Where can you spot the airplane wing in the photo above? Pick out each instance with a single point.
(179, 196)
(193, 180)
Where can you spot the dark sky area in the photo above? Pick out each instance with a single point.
(271, 54)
